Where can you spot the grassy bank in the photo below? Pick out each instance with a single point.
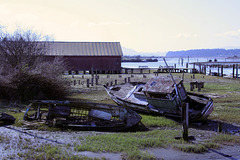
(162, 131)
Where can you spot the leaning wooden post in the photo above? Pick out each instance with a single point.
(185, 107)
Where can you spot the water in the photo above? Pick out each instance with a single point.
(178, 62)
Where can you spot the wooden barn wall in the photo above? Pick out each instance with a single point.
(99, 63)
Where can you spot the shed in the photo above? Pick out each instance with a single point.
(100, 57)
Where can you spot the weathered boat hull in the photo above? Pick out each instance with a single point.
(83, 115)
(155, 106)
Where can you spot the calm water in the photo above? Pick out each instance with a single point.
(179, 64)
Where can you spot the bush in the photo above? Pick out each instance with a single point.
(25, 73)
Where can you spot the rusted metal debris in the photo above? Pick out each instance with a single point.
(83, 115)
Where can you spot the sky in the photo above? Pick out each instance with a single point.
(141, 25)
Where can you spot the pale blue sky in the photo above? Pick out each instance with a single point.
(142, 25)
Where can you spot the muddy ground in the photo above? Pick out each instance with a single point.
(16, 140)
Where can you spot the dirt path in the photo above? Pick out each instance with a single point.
(14, 140)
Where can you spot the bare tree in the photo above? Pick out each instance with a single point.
(24, 71)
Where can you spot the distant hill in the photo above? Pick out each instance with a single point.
(205, 53)
(131, 52)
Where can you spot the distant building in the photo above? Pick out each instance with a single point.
(100, 57)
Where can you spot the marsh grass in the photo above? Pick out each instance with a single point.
(193, 148)
(139, 155)
(156, 121)
(226, 139)
(51, 152)
(127, 142)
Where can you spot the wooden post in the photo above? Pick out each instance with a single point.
(233, 70)
(236, 70)
(125, 80)
(191, 86)
(115, 82)
(219, 127)
(218, 70)
(96, 80)
(221, 70)
(92, 81)
(129, 80)
(185, 107)
(199, 85)
(187, 67)
(79, 82)
(74, 82)
(88, 82)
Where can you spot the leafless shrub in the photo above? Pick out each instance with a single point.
(25, 73)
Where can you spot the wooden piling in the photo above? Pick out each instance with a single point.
(221, 70)
(129, 79)
(236, 70)
(185, 120)
(96, 80)
(88, 82)
(92, 81)
(233, 70)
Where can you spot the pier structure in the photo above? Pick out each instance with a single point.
(202, 68)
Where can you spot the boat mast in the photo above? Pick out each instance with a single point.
(175, 85)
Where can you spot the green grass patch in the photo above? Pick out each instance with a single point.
(226, 114)
(50, 152)
(156, 121)
(226, 139)
(125, 142)
(193, 148)
(139, 155)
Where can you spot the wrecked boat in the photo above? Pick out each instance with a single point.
(83, 115)
(6, 119)
(161, 96)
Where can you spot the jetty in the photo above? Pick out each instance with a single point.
(202, 67)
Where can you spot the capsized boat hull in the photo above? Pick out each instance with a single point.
(82, 115)
(131, 96)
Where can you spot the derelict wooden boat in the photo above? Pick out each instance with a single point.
(161, 96)
(83, 115)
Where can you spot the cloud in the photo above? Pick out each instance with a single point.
(234, 34)
(93, 24)
(187, 35)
